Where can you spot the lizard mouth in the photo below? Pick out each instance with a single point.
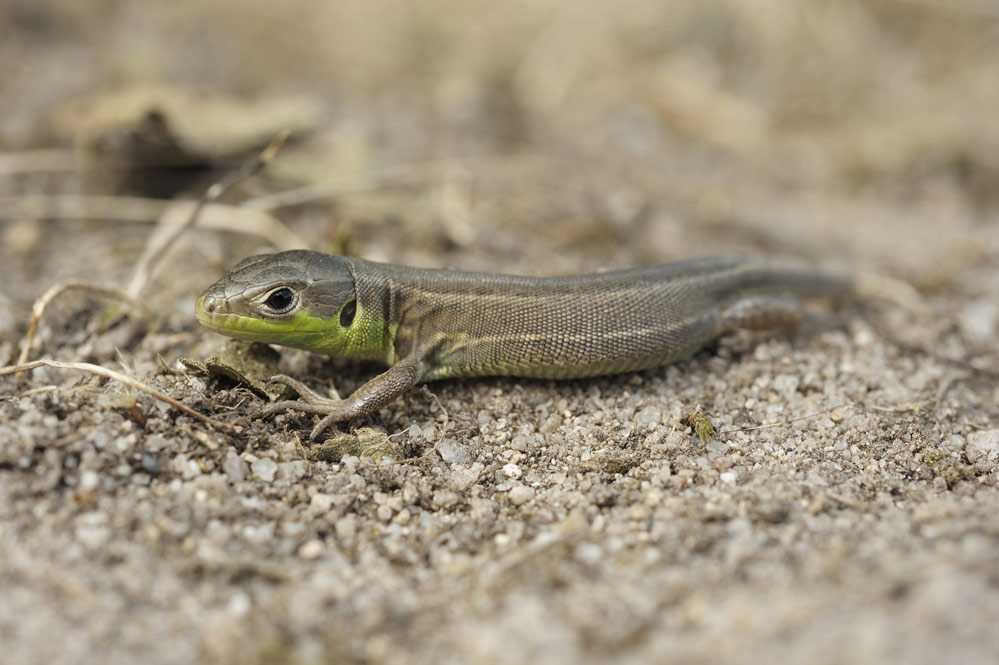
(213, 314)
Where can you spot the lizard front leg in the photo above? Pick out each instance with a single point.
(367, 399)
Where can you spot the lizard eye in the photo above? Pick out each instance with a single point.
(281, 300)
(348, 312)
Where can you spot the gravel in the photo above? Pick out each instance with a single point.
(845, 508)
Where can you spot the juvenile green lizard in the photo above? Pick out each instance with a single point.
(435, 324)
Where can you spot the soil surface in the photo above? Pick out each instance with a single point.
(844, 510)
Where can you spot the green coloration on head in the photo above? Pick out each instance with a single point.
(300, 299)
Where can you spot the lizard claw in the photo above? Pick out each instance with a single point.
(320, 427)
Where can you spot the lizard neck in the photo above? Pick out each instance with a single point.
(379, 295)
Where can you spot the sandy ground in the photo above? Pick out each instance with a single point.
(845, 510)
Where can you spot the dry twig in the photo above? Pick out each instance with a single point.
(155, 252)
(144, 270)
(217, 216)
(788, 421)
(38, 161)
(128, 381)
(400, 175)
(38, 309)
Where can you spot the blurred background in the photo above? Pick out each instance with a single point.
(585, 132)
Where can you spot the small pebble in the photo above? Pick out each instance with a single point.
(93, 533)
(445, 499)
(259, 534)
(89, 480)
(239, 605)
(235, 468)
(648, 417)
(590, 554)
(191, 469)
(979, 321)
(638, 512)
(295, 470)
(511, 470)
(463, 477)
(982, 449)
(521, 494)
(520, 442)
(653, 498)
(717, 447)
(410, 493)
(311, 549)
(150, 465)
(264, 469)
(93, 537)
(452, 452)
(349, 463)
(321, 503)
(346, 528)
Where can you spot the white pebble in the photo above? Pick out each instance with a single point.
(93, 536)
(520, 443)
(979, 320)
(463, 477)
(89, 480)
(321, 503)
(239, 604)
(235, 468)
(521, 494)
(264, 469)
(346, 528)
(452, 452)
(638, 512)
(649, 416)
(429, 433)
(259, 534)
(295, 470)
(349, 463)
(653, 498)
(982, 449)
(445, 499)
(191, 469)
(590, 554)
(511, 470)
(311, 549)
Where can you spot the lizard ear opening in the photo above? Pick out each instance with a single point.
(347, 313)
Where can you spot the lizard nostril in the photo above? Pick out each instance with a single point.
(210, 308)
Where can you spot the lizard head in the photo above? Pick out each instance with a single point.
(299, 298)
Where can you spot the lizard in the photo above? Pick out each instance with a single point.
(428, 324)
